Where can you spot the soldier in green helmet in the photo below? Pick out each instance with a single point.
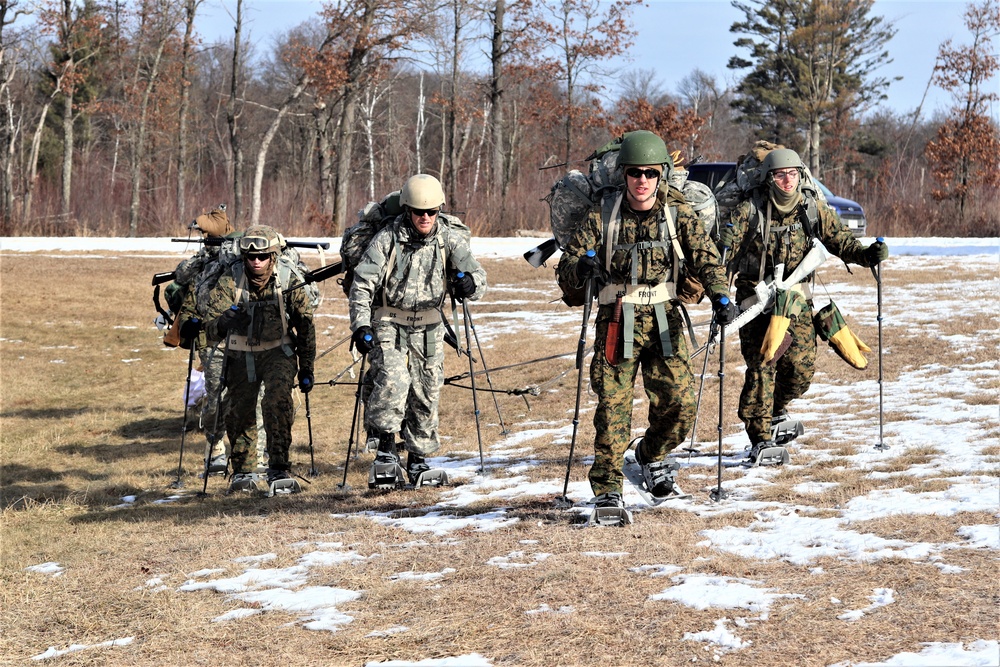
(639, 323)
(775, 225)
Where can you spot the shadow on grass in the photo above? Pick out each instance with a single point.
(46, 413)
(22, 486)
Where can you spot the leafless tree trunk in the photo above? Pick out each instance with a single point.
(164, 25)
(497, 49)
(232, 118)
(190, 7)
(421, 124)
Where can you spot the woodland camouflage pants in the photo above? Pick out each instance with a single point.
(669, 387)
(276, 372)
(767, 390)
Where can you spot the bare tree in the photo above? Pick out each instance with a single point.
(964, 152)
(583, 38)
(190, 8)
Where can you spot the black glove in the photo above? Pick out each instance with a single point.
(191, 328)
(876, 253)
(305, 380)
(234, 318)
(725, 310)
(589, 266)
(462, 285)
(364, 339)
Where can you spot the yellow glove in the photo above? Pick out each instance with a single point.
(776, 339)
(850, 348)
(832, 327)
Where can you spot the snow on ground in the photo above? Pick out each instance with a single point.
(934, 397)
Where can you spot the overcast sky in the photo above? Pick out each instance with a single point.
(676, 36)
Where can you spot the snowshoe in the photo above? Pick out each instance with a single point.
(243, 482)
(386, 473)
(784, 430)
(216, 465)
(656, 482)
(766, 453)
(280, 482)
(421, 474)
(609, 510)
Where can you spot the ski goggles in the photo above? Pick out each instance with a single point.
(258, 244)
(635, 172)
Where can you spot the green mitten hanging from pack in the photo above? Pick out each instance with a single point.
(831, 327)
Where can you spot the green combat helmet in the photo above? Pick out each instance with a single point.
(644, 147)
(780, 158)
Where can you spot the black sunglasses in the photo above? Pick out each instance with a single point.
(257, 258)
(635, 172)
(420, 212)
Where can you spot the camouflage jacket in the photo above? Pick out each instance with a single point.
(418, 277)
(788, 240)
(655, 265)
(266, 322)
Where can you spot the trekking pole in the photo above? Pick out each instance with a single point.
(218, 407)
(472, 378)
(486, 370)
(178, 484)
(564, 501)
(354, 418)
(718, 493)
(704, 367)
(877, 273)
(309, 425)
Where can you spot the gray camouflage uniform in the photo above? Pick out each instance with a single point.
(407, 364)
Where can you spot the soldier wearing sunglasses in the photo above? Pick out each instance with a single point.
(637, 234)
(269, 336)
(402, 281)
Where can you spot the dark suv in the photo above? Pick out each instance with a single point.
(713, 174)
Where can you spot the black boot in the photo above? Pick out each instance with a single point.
(415, 465)
(386, 448)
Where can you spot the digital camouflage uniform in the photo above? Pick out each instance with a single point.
(407, 364)
(274, 368)
(768, 389)
(668, 381)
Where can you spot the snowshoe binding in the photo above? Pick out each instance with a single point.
(609, 510)
(656, 481)
(216, 465)
(386, 472)
(784, 430)
(766, 453)
(421, 474)
(281, 483)
(245, 482)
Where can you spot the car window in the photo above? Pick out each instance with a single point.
(826, 190)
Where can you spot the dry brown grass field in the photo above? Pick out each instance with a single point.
(91, 414)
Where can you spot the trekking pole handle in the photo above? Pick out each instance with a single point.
(876, 270)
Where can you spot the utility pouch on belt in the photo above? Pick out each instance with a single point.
(614, 343)
(831, 326)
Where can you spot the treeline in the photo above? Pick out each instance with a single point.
(116, 118)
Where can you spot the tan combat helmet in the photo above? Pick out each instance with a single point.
(260, 239)
(422, 192)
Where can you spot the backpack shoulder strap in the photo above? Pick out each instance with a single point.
(670, 216)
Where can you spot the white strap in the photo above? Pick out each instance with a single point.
(643, 295)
